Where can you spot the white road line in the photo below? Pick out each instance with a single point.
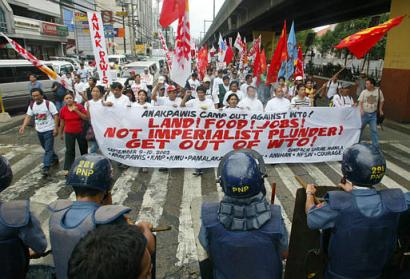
(123, 185)
(48, 193)
(288, 178)
(186, 251)
(318, 175)
(401, 147)
(10, 155)
(154, 198)
(27, 160)
(336, 166)
(399, 170)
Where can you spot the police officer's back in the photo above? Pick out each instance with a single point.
(243, 234)
(91, 178)
(19, 231)
(363, 221)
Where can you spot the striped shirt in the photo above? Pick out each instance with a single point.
(298, 102)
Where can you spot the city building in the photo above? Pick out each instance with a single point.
(35, 24)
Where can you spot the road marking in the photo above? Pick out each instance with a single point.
(318, 175)
(154, 198)
(401, 147)
(27, 161)
(123, 185)
(400, 171)
(48, 194)
(288, 178)
(186, 251)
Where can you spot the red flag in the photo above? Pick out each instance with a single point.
(263, 61)
(171, 11)
(280, 55)
(257, 67)
(299, 64)
(228, 55)
(202, 62)
(361, 42)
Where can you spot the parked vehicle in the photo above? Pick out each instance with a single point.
(120, 59)
(62, 67)
(76, 62)
(138, 67)
(14, 81)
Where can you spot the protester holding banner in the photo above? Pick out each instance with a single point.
(251, 102)
(142, 100)
(116, 98)
(233, 88)
(343, 99)
(96, 93)
(279, 102)
(200, 102)
(72, 116)
(170, 101)
(300, 100)
(232, 101)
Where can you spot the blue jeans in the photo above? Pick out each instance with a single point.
(47, 142)
(59, 105)
(371, 119)
(92, 147)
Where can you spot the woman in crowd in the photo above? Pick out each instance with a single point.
(142, 100)
(128, 92)
(300, 100)
(138, 85)
(96, 94)
(232, 101)
(310, 91)
(72, 116)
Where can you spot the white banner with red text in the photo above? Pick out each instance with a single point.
(184, 138)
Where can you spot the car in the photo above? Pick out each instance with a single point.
(120, 59)
(62, 67)
(14, 81)
(138, 67)
(76, 62)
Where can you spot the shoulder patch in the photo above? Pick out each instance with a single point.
(15, 214)
(108, 213)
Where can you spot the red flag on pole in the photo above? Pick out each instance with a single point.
(257, 67)
(280, 55)
(361, 42)
(263, 61)
(228, 55)
(171, 11)
(202, 62)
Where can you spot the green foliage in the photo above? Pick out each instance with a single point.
(301, 38)
(330, 39)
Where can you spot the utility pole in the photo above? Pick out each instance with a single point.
(214, 10)
(123, 26)
(133, 28)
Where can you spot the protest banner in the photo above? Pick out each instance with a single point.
(99, 47)
(184, 138)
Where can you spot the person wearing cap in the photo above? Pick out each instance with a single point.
(244, 236)
(171, 100)
(130, 80)
(147, 78)
(343, 99)
(293, 90)
(278, 103)
(21, 236)
(251, 102)
(91, 177)
(362, 221)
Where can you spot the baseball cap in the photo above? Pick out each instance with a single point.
(299, 78)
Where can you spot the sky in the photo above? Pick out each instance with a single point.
(199, 10)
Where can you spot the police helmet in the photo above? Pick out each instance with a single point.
(6, 175)
(91, 171)
(363, 164)
(241, 173)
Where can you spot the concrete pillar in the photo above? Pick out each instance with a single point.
(268, 41)
(396, 71)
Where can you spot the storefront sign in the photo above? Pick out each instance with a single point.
(99, 47)
(53, 29)
(185, 138)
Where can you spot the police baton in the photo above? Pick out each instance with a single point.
(304, 185)
(161, 228)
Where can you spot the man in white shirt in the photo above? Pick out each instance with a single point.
(138, 85)
(209, 94)
(233, 88)
(201, 102)
(343, 99)
(46, 124)
(248, 82)
(278, 103)
(217, 81)
(193, 82)
(171, 100)
(332, 87)
(83, 72)
(292, 92)
(147, 78)
(250, 102)
(79, 90)
(116, 98)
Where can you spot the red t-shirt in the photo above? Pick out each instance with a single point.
(73, 122)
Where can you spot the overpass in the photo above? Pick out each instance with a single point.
(265, 17)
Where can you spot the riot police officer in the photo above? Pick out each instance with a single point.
(21, 235)
(91, 178)
(244, 235)
(362, 220)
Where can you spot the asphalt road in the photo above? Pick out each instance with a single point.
(165, 198)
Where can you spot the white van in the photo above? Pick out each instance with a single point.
(138, 67)
(14, 82)
(120, 59)
(62, 67)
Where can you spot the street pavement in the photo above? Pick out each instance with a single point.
(165, 198)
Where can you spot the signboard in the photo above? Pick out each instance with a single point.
(53, 29)
(109, 30)
(186, 138)
(80, 16)
(99, 47)
(121, 14)
(140, 49)
(106, 16)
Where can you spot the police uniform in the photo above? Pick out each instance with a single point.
(70, 221)
(19, 230)
(363, 223)
(243, 234)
